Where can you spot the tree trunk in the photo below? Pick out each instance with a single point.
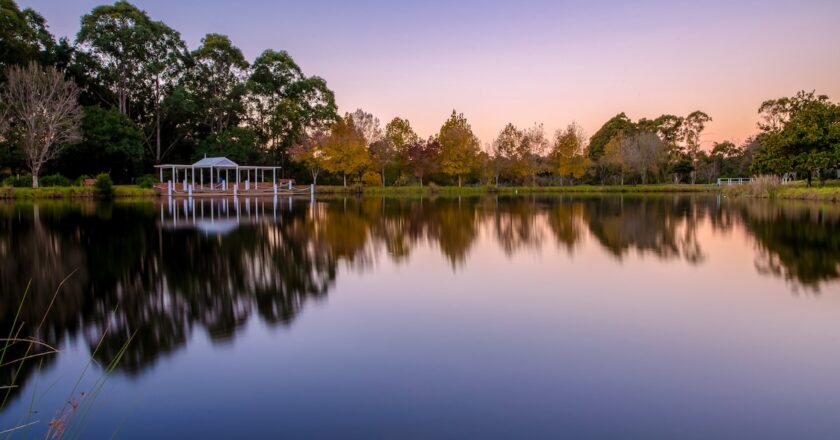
(383, 176)
(345, 179)
(35, 179)
(459, 180)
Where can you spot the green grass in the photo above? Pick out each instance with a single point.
(826, 193)
(511, 190)
(72, 192)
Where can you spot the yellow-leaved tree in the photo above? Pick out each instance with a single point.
(567, 158)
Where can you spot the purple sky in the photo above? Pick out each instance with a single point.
(528, 61)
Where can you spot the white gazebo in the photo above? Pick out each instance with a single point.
(219, 176)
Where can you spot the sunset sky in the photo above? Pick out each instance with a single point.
(528, 61)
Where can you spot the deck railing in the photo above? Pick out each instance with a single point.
(733, 180)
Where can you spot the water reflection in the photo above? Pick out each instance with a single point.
(167, 268)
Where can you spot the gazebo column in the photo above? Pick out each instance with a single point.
(212, 182)
(201, 176)
(161, 174)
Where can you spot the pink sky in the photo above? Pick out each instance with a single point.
(529, 61)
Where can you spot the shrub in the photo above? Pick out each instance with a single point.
(54, 180)
(104, 185)
(372, 178)
(147, 181)
(357, 188)
(403, 180)
(80, 181)
(22, 181)
(433, 188)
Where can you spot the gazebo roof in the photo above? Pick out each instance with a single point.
(216, 162)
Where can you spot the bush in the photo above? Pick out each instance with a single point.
(80, 181)
(147, 181)
(54, 180)
(22, 181)
(433, 188)
(372, 178)
(104, 185)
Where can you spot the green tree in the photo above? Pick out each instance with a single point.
(458, 146)
(599, 140)
(284, 104)
(215, 85)
(111, 143)
(115, 38)
(800, 134)
(24, 36)
(239, 144)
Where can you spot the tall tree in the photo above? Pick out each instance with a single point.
(24, 36)
(458, 146)
(116, 38)
(692, 130)
(43, 109)
(163, 67)
(284, 104)
(215, 83)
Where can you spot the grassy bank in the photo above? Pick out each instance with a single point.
(72, 192)
(773, 189)
(827, 193)
(513, 190)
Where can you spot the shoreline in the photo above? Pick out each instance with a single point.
(826, 193)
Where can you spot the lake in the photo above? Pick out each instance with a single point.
(657, 316)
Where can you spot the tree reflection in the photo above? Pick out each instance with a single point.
(663, 226)
(796, 241)
(161, 272)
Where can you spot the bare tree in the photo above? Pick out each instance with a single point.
(42, 110)
(644, 151)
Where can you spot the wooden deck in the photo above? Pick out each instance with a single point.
(263, 189)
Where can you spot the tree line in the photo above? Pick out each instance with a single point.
(127, 93)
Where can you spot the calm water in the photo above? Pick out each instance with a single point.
(653, 317)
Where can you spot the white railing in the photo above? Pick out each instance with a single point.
(733, 180)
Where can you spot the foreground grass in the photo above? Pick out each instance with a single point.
(509, 190)
(72, 192)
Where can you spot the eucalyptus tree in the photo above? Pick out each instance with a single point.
(214, 85)
(284, 104)
(692, 129)
(116, 40)
(23, 34)
(137, 59)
